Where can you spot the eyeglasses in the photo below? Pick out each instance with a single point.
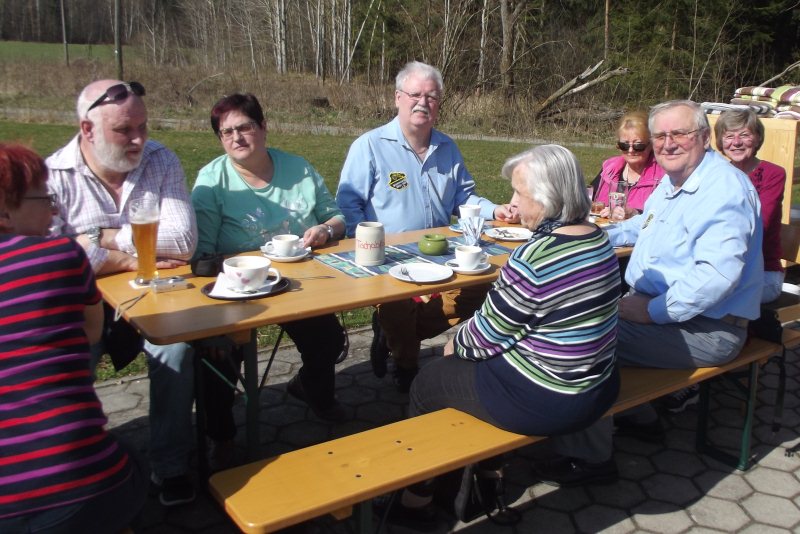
(52, 198)
(244, 129)
(416, 97)
(118, 93)
(744, 137)
(678, 136)
(637, 147)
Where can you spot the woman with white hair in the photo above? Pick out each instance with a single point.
(538, 357)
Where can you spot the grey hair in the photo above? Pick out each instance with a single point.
(82, 107)
(734, 119)
(554, 179)
(700, 119)
(423, 70)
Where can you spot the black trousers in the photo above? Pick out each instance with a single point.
(318, 339)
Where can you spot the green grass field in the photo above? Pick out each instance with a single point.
(54, 52)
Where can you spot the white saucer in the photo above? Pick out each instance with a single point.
(220, 290)
(421, 273)
(483, 267)
(266, 250)
(509, 233)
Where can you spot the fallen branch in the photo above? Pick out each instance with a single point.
(786, 70)
(572, 87)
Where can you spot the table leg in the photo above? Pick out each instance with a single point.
(251, 377)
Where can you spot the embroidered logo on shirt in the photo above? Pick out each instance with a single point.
(397, 180)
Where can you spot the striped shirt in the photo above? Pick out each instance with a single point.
(53, 448)
(552, 314)
(84, 202)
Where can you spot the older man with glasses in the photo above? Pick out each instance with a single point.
(95, 178)
(696, 273)
(408, 176)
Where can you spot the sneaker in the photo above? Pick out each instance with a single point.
(174, 490)
(649, 432)
(403, 378)
(568, 472)
(678, 401)
(333, 412)
(379, 350)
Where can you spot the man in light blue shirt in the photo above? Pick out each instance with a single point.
(695, 276)
(409, 176)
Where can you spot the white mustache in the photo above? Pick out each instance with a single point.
(423, 109)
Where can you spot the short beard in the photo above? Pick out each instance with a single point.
(112, 157)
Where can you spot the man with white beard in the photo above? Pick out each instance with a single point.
(95, 177)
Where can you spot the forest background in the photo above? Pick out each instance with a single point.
(511, 67)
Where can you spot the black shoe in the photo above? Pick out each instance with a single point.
(567, 472)
(403, 378)
(379, 350)
(174, 490)
(333, 412)
(422, 519)
(649, 432)
(681, 399)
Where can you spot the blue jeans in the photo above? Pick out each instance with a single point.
(171, 372)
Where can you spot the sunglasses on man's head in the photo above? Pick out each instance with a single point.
(637, 147)
(118, 93)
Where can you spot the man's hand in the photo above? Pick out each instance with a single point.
(166, 263)
(506, 213)
(634, 308)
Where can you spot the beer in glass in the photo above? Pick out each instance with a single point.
(144, 214)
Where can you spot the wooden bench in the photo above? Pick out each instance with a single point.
(335, 476)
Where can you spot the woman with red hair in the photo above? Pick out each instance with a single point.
(61, 471)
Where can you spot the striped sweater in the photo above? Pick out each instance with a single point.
(552, 314)
(53, 448)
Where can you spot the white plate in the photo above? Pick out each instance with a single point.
(422, 273)
(266, 250)
(509, 233)
(483, 267)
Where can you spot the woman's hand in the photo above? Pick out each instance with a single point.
(316, 236)
(450, 348)
(506, 213)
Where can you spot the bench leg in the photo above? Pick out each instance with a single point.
(781, 391)
(742, 462)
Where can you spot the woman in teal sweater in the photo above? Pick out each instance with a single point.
(242, 199)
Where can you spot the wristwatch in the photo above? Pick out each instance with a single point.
(94, 234)
(330, 231)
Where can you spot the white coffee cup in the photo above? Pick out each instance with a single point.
(286, 244)
(470, 257)
(469, 210)
(370, 246)
(249, 273)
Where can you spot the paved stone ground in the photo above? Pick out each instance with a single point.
(663, 488)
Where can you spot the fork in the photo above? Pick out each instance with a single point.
(404, 272)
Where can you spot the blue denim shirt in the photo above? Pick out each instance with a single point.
(698, 249)
(382, 180)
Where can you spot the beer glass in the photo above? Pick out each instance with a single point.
(143, 214)
(617, 199)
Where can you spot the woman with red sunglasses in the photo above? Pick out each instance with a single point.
(635, 168)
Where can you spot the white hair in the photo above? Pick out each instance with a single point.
(423, 70)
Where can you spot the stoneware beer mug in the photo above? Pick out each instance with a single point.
(370, 244)
(285, 244)
(143, 214)
(248, 274)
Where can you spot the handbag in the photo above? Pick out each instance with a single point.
(468, 496)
